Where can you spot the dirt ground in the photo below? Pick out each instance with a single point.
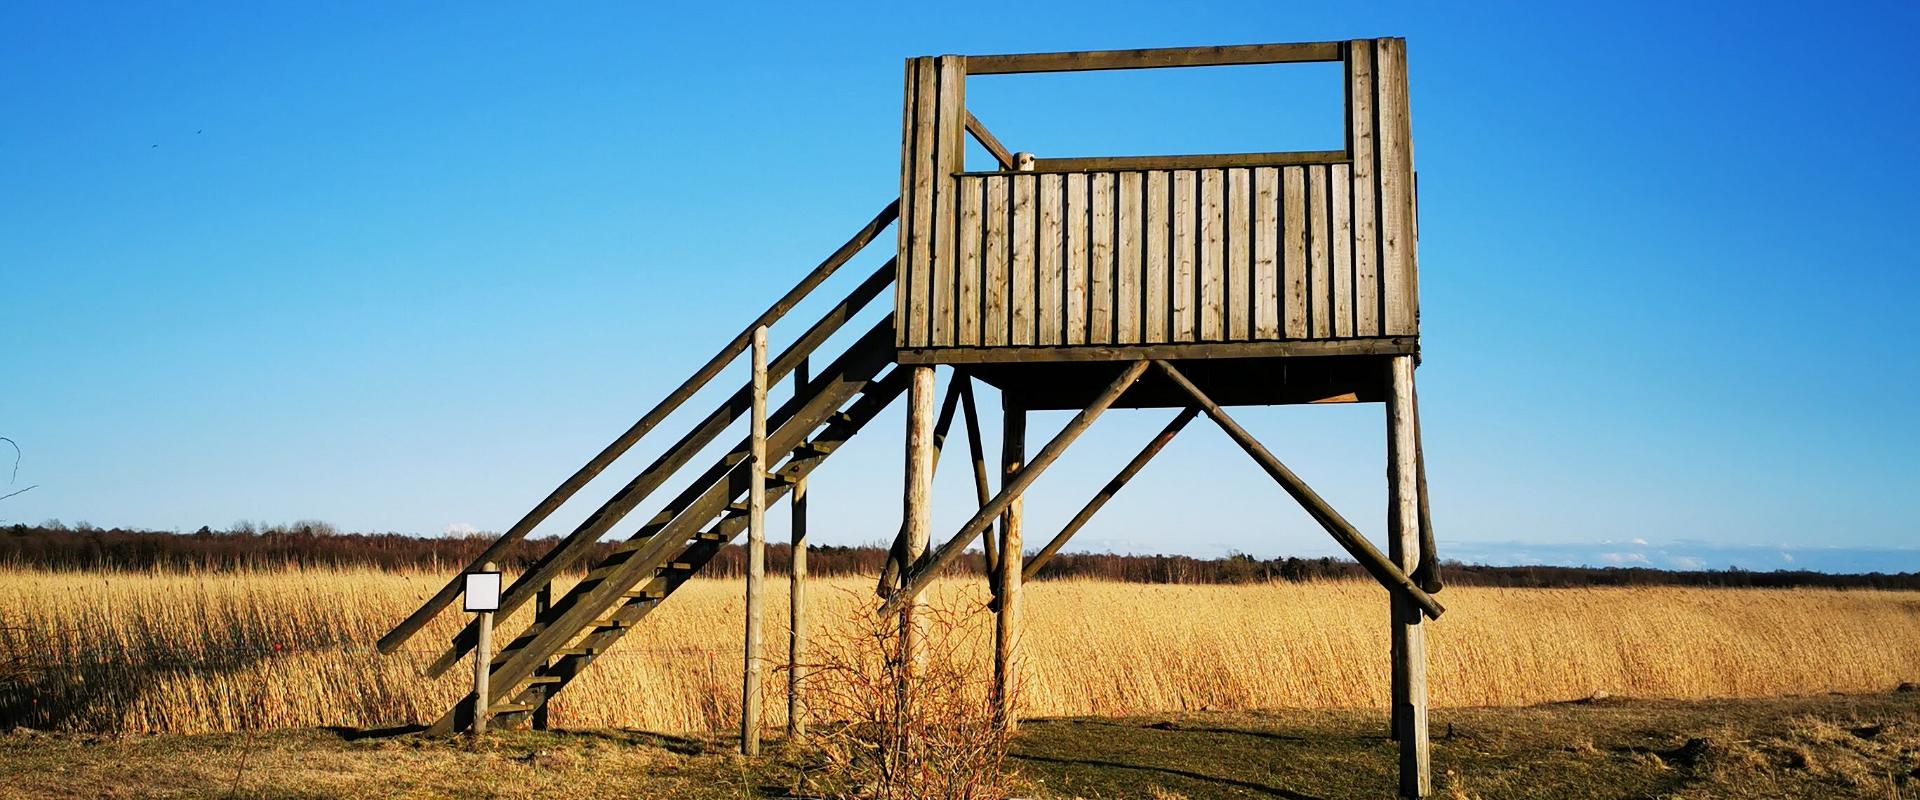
(1864, 746)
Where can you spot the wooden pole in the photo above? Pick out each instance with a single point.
(756, 549)
(976, 449)
(917, 513)
(1409, 639)
(482, 665)
(891, 571)
(1428, 575)
(917, 579)
(1006, 586)
(1387, 572)
(797, 598)
(1112, 488)
(542, 600)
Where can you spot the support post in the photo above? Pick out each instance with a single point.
(756, 549)
(482, 666)
(542, 600)
(917, 513)
(1409, 638)
(977, 449)
(797, 596)
(1009, 569)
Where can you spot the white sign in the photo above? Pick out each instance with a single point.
(483, 591)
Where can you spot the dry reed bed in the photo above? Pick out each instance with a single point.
(142, 653)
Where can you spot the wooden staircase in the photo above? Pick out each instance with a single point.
(679, 540)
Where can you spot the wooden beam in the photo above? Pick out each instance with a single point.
(1409, 636)
(594, 466)
(756, 550)
(1350, 538)
(987, 140)
(976, 449)
(917, 511)
(1087, 60)
(797, 595)
(1009, 571)
(1428, 573)
(917, 580)
(1394, 345)
(896, 555)
(1112, 488)
(1195, 161)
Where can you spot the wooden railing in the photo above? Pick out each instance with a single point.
(570, 549)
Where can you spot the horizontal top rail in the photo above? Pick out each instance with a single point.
(445, 597)
(1088, 60)
(1197, 161)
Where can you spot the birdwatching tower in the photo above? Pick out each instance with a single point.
(1190, 282)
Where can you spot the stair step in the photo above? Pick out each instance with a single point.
(645, 594)
(673, 566)
(540, 680)
(818, 447)
(710, 536)
(512, 708)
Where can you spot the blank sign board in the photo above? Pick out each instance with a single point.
(483, 591)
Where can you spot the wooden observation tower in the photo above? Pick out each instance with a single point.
(1192, 282)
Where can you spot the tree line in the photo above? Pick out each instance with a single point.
(313, 544)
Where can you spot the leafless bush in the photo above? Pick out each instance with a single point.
(900, 726)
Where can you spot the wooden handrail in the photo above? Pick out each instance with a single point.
(434, 605)
(1197, 161)
(1087, 60)
(577, 544)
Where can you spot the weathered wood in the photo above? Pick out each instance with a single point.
(1050, 278)
(797, 595)
(542, 600)
(1213, 255)
(923, 575)
(994, 274)
(1203, 161)
(1156, 315)
(976, 451)
(987, 140)
(917, 511)
(1391, 345)
(482, 657)
(1360, 142)
(891, 569)
(1154, 58)
(756, 551)
(1428, 574)
(1266, 253)
(1319, 265)
(916, 260)
(1409, 638)
(625, 441)
(1186, 232)
(1021, 301)
(577, 544)
(969, 259)
(1129, 195)
(1341, 213)
(1399, 303)
(949, 158)
(1008, 572)
(1239, 266)
(1113, 487)
(1078, 200)
(1386, 572)
(1100, 266)
(1293, 252)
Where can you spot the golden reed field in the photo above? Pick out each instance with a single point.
(140, 653)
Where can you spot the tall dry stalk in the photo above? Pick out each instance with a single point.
(905, 726)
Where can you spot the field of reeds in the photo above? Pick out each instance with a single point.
(141, 653)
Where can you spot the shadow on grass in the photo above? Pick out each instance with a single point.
(1271, 791)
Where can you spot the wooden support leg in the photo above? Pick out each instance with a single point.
(756, 550)
(542, 600)
(1008, 571)
(977, 449)
(797, 599)
(1409, 638)
(917, 512)
(891, 571)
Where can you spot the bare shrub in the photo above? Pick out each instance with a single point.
(904, 726)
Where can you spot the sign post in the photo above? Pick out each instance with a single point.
(482, 598)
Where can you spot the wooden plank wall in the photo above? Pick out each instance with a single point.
(1160, 256)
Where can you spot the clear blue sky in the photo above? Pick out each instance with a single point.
(404, 268)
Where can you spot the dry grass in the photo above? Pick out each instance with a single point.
(194, 653)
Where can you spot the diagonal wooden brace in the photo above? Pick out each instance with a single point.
(1113, 487)
(918, 579)
(1363, 551)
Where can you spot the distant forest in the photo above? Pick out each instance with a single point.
(313, 544)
